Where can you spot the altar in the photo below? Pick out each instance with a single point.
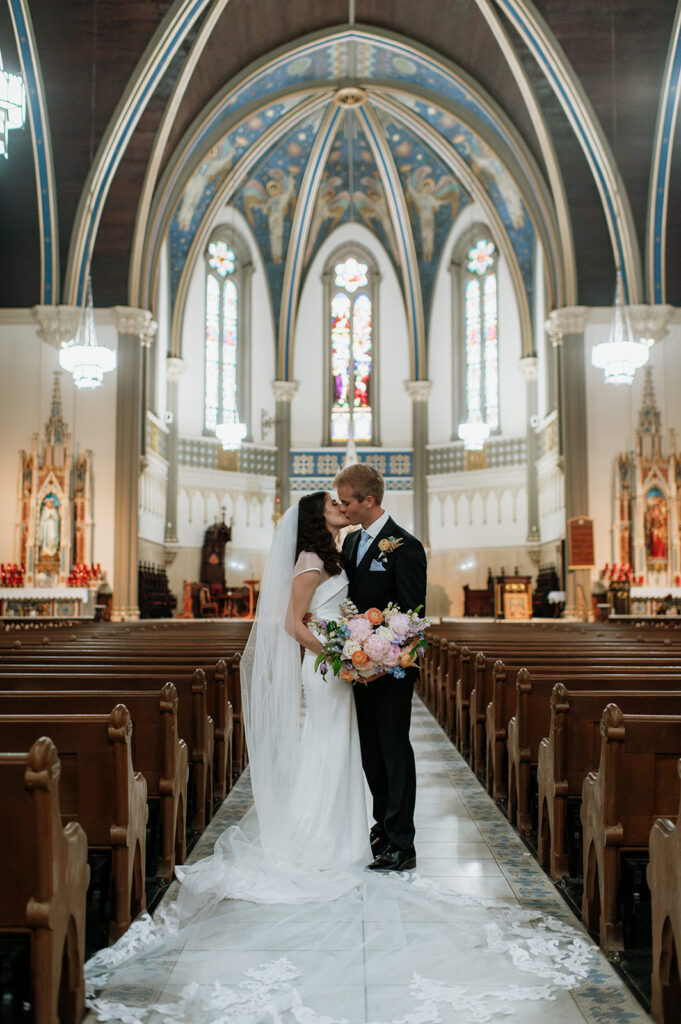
(53, 575)
(47, 603)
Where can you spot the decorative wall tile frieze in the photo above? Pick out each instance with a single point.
(323, 464)
(203, 453)
(499, 451)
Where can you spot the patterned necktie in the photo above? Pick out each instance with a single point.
(364, 542)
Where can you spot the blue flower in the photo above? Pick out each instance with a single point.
(397, 672)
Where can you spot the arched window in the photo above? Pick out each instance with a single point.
(351, 279)
(226, 348)
(475, 298)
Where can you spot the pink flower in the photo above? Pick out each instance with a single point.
(376, 647)
(400, 624)
(359, 628)
(392, 657)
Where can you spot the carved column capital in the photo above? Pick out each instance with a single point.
(649, 323)
(131, 320)
(567, 320)
(529, 367)
(57, 325)
(284, 390)
(174, 368)
(418, 390)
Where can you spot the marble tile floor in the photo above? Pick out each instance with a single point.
(462, 839)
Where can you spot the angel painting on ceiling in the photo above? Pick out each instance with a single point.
(490, 170)
(331, 205)
(425, 196)
(218, 162)
(275, 200)
(370, 204)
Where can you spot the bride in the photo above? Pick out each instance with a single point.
(282, 922)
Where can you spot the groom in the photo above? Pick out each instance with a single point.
(379, 573)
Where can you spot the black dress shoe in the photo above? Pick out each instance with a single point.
(392, 858)
(378, 840)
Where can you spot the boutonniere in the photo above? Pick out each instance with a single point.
(387, 545)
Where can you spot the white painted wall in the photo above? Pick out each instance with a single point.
(27, 366)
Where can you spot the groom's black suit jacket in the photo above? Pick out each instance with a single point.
(401, 577)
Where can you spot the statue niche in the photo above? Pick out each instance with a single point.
(646, 500)
(54, 513)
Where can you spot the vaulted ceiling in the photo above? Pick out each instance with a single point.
(153, 112)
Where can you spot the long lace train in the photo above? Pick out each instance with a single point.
(350, 946)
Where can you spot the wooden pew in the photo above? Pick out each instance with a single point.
(157, 751)
(636, 783)
(664, 881)
(195, 724)
(570, 751)
(98, 788)
(222, 682)
(44, 877)
(531, 721)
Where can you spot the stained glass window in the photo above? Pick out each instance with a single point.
(481, 322)
(351, 353)
(222, 337)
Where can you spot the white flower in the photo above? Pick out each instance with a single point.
(385, 633)
(349, 648)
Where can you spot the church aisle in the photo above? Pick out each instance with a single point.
(463, 841)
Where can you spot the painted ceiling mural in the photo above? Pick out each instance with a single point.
(350, 188)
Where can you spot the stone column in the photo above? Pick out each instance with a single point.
(566, 328)
(283, 390)
(529, 367)
(419, 392)
(174, 369)
(146, 339)
(134, 328)
(245, 350)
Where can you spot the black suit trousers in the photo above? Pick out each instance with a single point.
(383, 718)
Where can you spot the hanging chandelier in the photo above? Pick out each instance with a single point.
(621, 355)
(231, 435)
(83, 357)
(12, 105)
(474, 434)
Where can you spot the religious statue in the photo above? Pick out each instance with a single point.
(656, 525)
(48, 529)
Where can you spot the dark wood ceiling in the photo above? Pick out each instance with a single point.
(89, 48)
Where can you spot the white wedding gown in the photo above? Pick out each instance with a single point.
(292, 934)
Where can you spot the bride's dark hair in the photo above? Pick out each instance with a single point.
(314, 534)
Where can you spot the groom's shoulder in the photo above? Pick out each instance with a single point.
(409, 539)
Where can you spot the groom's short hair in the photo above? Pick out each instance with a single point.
(362, 480)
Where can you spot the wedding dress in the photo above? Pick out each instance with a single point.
(283, 923)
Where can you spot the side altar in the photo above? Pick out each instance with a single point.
(54, 575)
(646, 522)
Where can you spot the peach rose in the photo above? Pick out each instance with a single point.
(375, 616)
(406, 659)
(359, 658)
(346, 675)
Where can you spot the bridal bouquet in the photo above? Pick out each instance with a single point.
(360, 646)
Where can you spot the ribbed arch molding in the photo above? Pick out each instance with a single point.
(556, 68)
(228, 145)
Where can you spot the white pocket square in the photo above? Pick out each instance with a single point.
(376, 566)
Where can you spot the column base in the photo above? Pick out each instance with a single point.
(125, 614)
